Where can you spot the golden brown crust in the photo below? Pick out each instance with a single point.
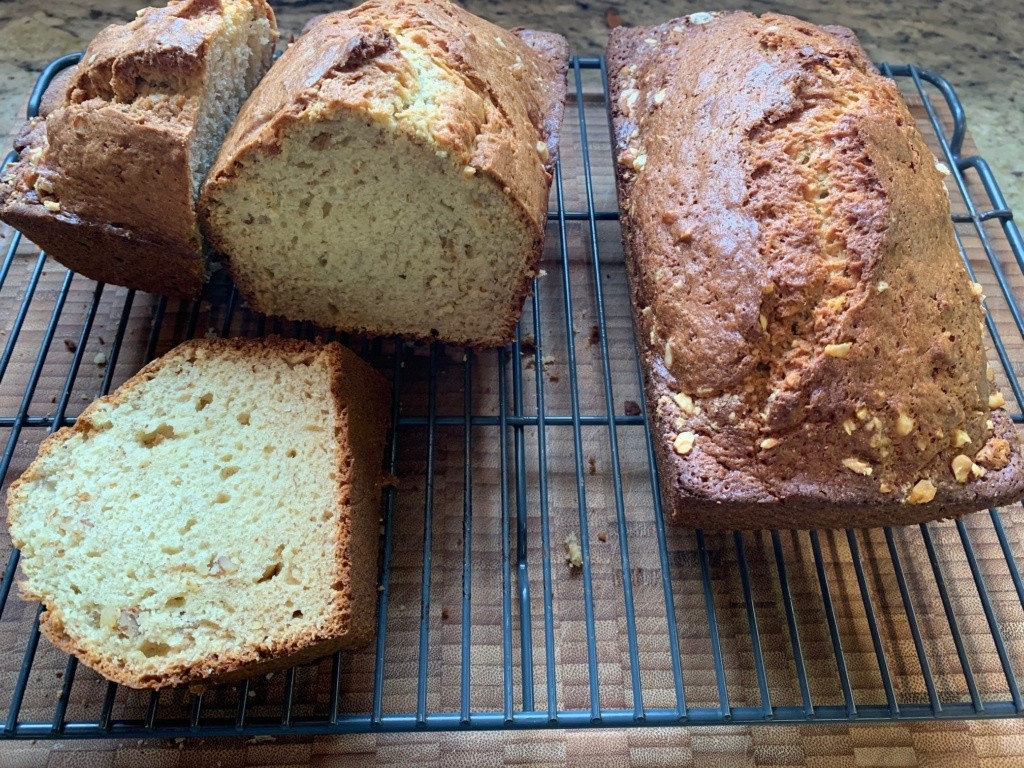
(362, 406)
(799, 298)
(103, 183)
(350, 61)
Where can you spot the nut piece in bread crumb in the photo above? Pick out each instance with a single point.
(838, 350)
(995, 454)
(683, 443)
(922, 492)
(904, 425)
(963, 468)
(857, 465)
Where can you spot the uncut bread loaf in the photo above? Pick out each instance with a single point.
(108, 175)
(390, 175)
(810, 339)
(217, 515)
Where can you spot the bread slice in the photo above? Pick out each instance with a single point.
(218, 513)
(108, 176)
(811, 341)
(390, 175)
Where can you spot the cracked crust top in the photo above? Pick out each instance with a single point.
(811, 339)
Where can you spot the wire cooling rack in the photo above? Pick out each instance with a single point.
(500, 458)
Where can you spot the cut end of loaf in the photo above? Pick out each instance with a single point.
(236, 61)
(209, 516)
(402, 240)
(390, 174)
(108, 177)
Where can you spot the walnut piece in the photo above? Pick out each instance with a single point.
(838, 350)
(961, 466)
(995, 454)
(858, 466)
(922, 492)
(960, 438)
(685, 403)
(683, 443)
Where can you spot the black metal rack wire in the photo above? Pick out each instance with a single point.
(501, 455)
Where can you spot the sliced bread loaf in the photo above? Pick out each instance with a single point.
(390, 175)
(219, 512)
(108, 177)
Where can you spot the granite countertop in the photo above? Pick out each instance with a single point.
(978, 48)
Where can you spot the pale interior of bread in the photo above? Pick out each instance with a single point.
(195, 517)
(237, 58)
(366, 224)
(355, 227)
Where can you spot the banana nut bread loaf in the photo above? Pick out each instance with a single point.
(218, 513)
(810, 338)
(390, 175)
(107, 179)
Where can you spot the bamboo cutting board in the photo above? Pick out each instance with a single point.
(948, 743)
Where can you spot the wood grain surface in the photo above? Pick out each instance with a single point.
(88, 323)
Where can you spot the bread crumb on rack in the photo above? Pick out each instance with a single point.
(573, 551)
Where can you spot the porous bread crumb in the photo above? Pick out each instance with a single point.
(193, 523)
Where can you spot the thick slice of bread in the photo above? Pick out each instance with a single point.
(391, 173)
(812, 344)
(219, 512)
(108, 177)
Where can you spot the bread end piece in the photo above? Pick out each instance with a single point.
(107, 176)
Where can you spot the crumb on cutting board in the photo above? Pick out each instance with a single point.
(573, 552)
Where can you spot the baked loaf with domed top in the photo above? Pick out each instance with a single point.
(390, 175)
(108, 175)
(811, 341)
(216, 516)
